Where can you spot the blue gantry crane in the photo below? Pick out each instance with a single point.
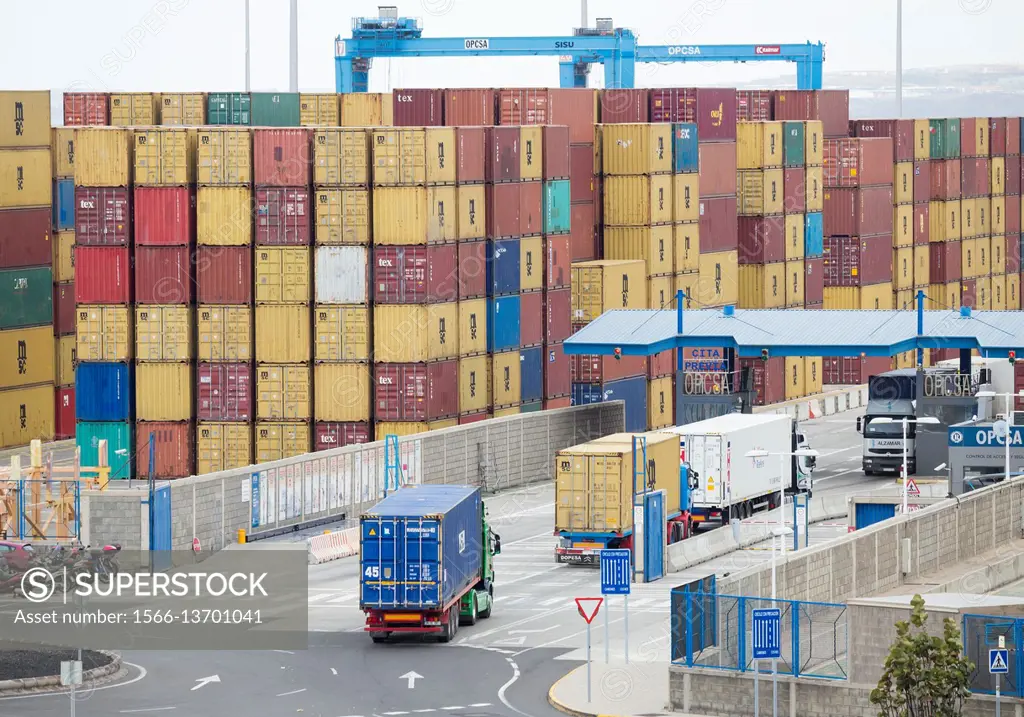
(616, 48)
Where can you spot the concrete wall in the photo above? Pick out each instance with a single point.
(496, 454)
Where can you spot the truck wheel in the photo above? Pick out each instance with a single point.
(379, 637)
(449, 629)
(471, 618)
(486, 612)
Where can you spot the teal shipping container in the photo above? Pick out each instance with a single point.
(26, 297)
(685, 153)
(119, 437)
(275, 109)
(229, 108)
(556, 207)
(793, 144)
(945, 138)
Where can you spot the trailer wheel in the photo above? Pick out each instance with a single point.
(379, 637)
(449, 629)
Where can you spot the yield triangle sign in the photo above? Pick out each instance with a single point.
(912, 488)
(588, 607)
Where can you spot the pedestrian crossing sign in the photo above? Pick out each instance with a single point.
(912, 488)
(998, 659)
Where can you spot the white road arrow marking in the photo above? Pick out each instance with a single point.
(511, 641)
(411, 677)
(205, 681)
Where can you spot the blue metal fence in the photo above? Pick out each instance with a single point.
(981, 633)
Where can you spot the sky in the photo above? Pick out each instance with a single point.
(198, 45)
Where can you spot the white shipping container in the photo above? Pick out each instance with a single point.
(341, 274)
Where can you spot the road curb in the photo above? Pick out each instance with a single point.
(564, 708)
(28, 685)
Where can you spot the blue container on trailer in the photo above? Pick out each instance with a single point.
(64, 204)
(531, 374)
(556, 206)
(502, 267)
(814, 236)
(119, 437)
(421, 547)
(685, 156)
(503, 323)
(103, 392)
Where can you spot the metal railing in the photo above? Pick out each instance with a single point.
(981, 633)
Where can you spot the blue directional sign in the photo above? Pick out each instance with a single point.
(616, 572)
(998, 661)
(767, 626)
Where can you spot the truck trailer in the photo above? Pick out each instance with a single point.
(426, 562)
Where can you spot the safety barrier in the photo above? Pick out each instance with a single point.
(981, 633)
(333, 545)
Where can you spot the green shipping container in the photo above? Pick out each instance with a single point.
(945, 138)
(556, 207)
(26, 297)
(531, 407)
(275, 109)
(228, 108)
(118, 435)
(793, 144)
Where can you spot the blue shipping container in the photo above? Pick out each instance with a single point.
(814, 237)
(531, 374)
(421, 547)
(64, 204)
(503, 267)
(631, 390)
(503, 323)
(119, 437)
(584, 394)
(103, 392)
(870, 513)
(685, 156)
(556, 207)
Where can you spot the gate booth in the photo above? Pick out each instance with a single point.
(649, 525)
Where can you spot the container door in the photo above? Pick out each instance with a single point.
(381, 557)
(161, 545)
(654, 536)
(421, 579)
(572, 493)
(612, 501)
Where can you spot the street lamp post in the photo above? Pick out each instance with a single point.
(906, 421)
(1009, 421)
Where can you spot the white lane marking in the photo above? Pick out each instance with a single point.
(392, 714)
(63, 693)
(838, 450)
(285, 652)
(531, 575)
(293, 692)
(420, 712)
(836, 475)
(453, 708)
(504, 688)
(148, 709)
(527, 511)
(334, 671)
(481, 704)
(545, 534)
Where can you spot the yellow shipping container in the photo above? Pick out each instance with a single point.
(25, 415)
(165, 157)
(638, 200)
(660, 292)
(440, 146)
(983, 293)
(283, 334)
(317, 110)
(1013, 302)
(719, 283)
(795, 283)
(922, 266)
(636, 148)
(24, 118)
(134, 109)
(685, 195)
(223, 446)
(998, 292)
(997, 258)
(689, 284)
(364, 109)
(652, 244)
(64, 257)
(473, 328)
(903, 268)
(341, 157)
(531, 151)
(947, 294)
(224, 216)
(163, 391)
(758, 145)
(505, 377)
(342, 216)
(25, 178)
(997, 219)
(103, 157)
(759, 192)
(163, 333)
(531, 264)
(814, 144)
(796, 380)
(969, 211)
(873, 296)
(284, 392)
(983, 206)
(65, 366)
(814, 194)
(977, 145)
(104, 333)
(997, 176)
(224, 156)
(794, 236)
(472, 212)
(382, 429)
(903, 300)
(278, 440)
(26, 357)
(413, 333)
(922, 139)
(474, 384)
(903, 183)
(183, 108)
(282, 275)
(342, 333)
(969, 263)
(984, 248)
(413, 215)
(225, 333)
(812, 374)
(63, 146)
(399, 156)
(660, 406)
(342, 391)
(762, 286)
(685, 247)
(903, 225)
(944, 221)
(600, 286)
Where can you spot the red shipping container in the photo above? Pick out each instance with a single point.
(945, 179)
(969, 293)
(1012, 220)
(102, 275)
(592, 368)
(224, 275)
(922, 225)
(557, 260)
(1012, 255)
(415, 275)
(753, 106)
(472, 269)
(531, 208)
(557, 371)
(282, 217)
(64, 413)
(504, 203)
(282, 157)
(581, 173)
(858, 162)
(531, 323)
(814, 281)
(945, 262)
(1013, 130)
(416, 391)
(762, 240)
(224, 392)
(417, 108)
(769, 379)
(900, 131)
(471, 148)
(164, 216)
(583, 232)
(467, 418)
(794, 189)
(468, 107)
(555, 140)
(970, 134)
(922, 181)
(858, 261)
(328, 435)
(800, 105)
(103, 216)
(717, 169)
(163, 275)
(553, 404)
(860, 211)
(714, 111)
(1011, 182)
(558, 316)
(64, 309)
(576, 109)
(86, 108)
(719, 230)
(975, 177)
(814, 307)
(833, 111)
(523, 106)
(997, 136)
(853, 370)
(174, 448)
(25, 238)
(502, 161)
(661, 364)
(625, 106)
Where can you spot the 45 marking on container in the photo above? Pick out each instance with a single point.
(477, 44)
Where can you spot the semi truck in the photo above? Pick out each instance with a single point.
(426, 562)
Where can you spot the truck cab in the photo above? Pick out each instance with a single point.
(891, 395)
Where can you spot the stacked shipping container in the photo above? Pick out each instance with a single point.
(63, 260)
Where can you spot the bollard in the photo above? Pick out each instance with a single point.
(241, 536)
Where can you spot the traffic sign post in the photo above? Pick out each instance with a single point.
(999, 665)
(616, 579)
(766, 627)
(588, 608)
